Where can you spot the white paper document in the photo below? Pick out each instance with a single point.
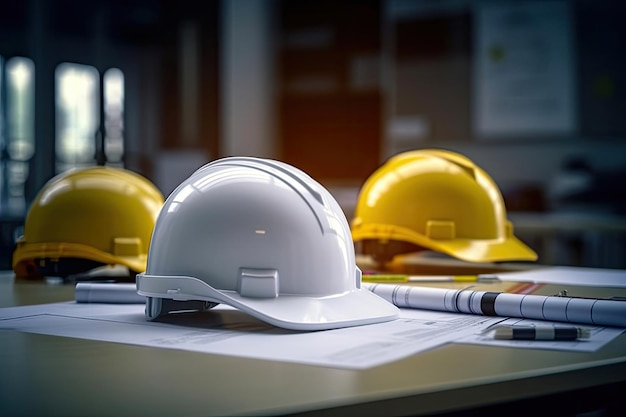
(227, 331)
(569, 275)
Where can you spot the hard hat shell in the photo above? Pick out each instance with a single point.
(101, 214)
(439, 200)
(264, 237)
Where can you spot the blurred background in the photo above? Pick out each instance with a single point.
(534, 92)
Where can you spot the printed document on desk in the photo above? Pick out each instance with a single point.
(569, 275)
(227, 331)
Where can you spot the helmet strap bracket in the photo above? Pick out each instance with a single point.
(440, 229)
(257, 283)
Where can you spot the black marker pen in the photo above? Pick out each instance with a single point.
(541, 333)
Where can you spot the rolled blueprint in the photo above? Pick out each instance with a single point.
(539, 307)
(109, 293)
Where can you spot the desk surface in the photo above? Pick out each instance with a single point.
(46, 375)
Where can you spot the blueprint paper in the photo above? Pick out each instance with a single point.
(227, 331)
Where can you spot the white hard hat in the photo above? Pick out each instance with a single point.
(262, 236)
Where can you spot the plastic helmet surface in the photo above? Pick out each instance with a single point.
(435, 200)
(87, 217)
(261, 236)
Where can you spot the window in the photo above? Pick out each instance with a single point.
(114, 115)
(20, 73)
(78, 116)
(17, 123)
(78, 122)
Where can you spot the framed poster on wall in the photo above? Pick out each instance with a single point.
(524, 64)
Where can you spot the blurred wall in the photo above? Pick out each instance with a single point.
(333, 87)
(431, 54)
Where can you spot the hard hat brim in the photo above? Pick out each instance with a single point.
(27, 252)
(294, 312)
(469, 250)
(509, 249)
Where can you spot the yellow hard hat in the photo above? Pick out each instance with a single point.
(88, 217)
(435, 200)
